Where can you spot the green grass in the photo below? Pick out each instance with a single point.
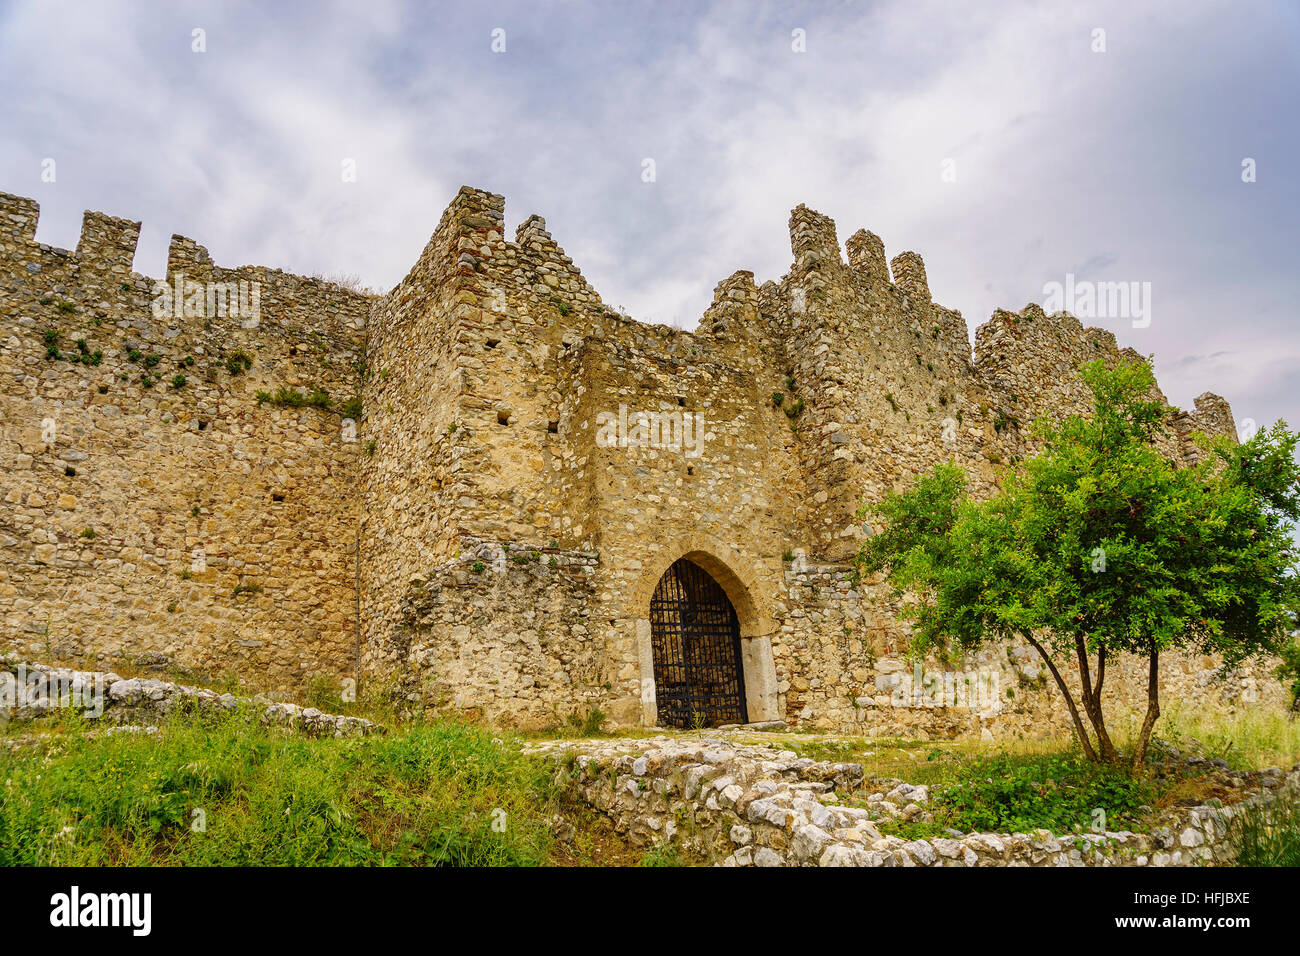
(1015, 785)
(429, 795)
(661, 855)
(1250, 739)
(1267, 836)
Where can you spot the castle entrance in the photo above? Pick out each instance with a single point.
(695, 636)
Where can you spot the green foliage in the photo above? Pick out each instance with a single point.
(238, 362)
(178, 381)
(425, 796)
(351, 408)
(325, 693)
(1101, 544)
(1289, 670)
(85, 355)
(778, 398)
(590, 724)
(1267, 835)
(285, 397)
(661, 854)
(1012, 794)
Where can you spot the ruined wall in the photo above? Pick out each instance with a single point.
(894, 389)
(527, 466)
(153, 509)
(730, 804)
(515, 558)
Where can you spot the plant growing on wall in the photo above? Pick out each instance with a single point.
(1101, 546)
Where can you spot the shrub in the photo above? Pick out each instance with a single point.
(1006, 793)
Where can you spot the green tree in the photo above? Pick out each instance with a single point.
(1100, 546)
(1288, 671)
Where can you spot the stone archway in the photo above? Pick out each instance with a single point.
(754, 623)
(695, 638)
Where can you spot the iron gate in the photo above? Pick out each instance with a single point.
(696, 638)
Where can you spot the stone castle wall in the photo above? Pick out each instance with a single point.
(137, 504)
(512, 528)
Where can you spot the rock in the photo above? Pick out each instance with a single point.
(809, 841)
(907, 793)
(922, 852)
(839, 855)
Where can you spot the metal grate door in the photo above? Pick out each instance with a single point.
(696, 638)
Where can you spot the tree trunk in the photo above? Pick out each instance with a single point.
(1092, 697)
(1084, 742)
(1153, 708)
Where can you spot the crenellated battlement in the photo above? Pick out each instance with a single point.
(503, 468)
(99, 271)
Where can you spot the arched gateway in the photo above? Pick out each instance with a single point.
(698, 674)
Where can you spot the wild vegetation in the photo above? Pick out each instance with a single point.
(231, 792)
(1099, 546)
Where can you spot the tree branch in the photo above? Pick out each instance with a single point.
(1069, 699)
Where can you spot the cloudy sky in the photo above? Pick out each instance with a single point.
(997, 140)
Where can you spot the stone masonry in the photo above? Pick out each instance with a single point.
(484, 533)
(729, 803)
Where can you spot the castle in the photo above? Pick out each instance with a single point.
(538, 507)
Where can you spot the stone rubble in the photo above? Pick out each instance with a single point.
(144, 701)
(737, 804)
